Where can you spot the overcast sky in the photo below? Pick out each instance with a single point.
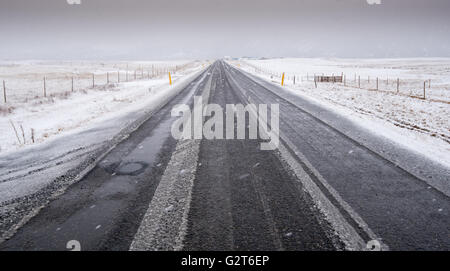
(169, 29)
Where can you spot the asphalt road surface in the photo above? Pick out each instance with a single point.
(329, 186)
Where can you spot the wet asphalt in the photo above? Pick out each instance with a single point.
(245, 199)
(404, 210)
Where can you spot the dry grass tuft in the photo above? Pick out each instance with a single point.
(6, 109)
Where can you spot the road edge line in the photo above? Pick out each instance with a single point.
(98, 154)
(346, 232)
(165, 222)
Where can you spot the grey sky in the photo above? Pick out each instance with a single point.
(161, 29)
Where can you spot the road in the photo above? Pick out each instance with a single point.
(329, 186)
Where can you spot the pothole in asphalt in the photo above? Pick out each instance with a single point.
(132, 168)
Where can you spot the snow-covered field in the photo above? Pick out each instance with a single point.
(417, 123)
(62, 110)
(71, 133)
(412, 73)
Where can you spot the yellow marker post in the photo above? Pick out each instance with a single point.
(170, 79)
(282, 80)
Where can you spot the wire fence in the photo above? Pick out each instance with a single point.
(427, 89)
(24, 88)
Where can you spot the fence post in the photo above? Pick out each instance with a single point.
(377, 83)
(429, 83)
(134, 74)
(315, 81)
(107, 77)
(72, 83)
(45, 88)
(345, 83)
(118, 76)
(398, 85)
(93, 80)
(359, 81)
(424, 86)
(4, 90)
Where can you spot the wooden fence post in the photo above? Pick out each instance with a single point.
(93, 80)
(424, 86)
(429, 83)
(107, 77)
(72, 83)
(359, 81)
(398, 85)
(377, 83)
(4, 90)
(45, 88)
(118, 76)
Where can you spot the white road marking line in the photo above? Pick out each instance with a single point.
(165, 223)
(346, 232)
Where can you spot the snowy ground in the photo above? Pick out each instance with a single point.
(422, 125)
(68, 130)
(72, 135)
(62, 110)
(412, 73)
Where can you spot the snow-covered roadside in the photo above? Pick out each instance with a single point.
(411, 72)
(32, 167)
(62, 114)
(420, 125)
(33, 176)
